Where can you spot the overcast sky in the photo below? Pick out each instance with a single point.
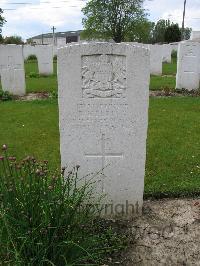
(38, 16)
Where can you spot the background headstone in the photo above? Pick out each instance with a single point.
(188, 70)
(28, 50)
(44, 54)
(195, 36)
(174, 46)
(156, 59)
(12, 69)
(167, 53)
(103, 105)
(45, 59)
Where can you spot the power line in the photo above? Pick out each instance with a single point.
(40, 5)
(39, 8)
(9, 9)
(18, 3)
(43, 2)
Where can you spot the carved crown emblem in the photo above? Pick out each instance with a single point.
(104, 77)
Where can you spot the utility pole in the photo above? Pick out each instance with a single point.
(53, 29)
(183, 24)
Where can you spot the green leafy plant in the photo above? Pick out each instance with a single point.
(32, 57)
(54, 94)
(34, 75)
(174, 54)
(37, 75)
(44, 219)
(5, 95)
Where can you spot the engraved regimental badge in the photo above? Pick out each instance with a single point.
(104, 76)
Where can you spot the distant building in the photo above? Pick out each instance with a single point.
(61, 38)
(195, 36)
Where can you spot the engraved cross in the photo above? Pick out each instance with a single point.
(103, 155)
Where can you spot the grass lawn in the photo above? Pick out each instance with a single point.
(170, 69)
(173, 155)
(162, 82)
(31, 128)
(173, 160)
(41, 84)
(165, 82)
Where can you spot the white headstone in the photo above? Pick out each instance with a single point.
(188, 66)
(156, 59)
(174, 46)
(28, 50)
(156, 56)
(167, 53)
(45, 59)
(103, 104)
(195, 36)
(44, 54)
(12, 69)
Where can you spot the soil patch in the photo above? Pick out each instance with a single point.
(33, 96)
(168, 234)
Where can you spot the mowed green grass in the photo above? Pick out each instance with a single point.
(31, 128)
(162, 82)
(173, 145)
(170, 69)
(168, 78)
(49, 83)
(41, 84)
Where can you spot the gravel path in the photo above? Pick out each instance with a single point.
(168, 234)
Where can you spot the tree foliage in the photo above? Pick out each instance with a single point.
(187, 33)
(112, 19)
(173, 33)
(159, 31)
(166, 31)
(141, 32)
(13, 40)
(2, 21)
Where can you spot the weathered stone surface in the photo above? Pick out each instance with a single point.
(45, 59)
(103, 103)
(195, 36)
(28, 50)
(44, 54)
(156, 59)
(156, 56)
(188, 66)
(167, 51)
(12, 69)
(174, 46)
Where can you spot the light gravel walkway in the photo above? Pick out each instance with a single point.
(167, 234)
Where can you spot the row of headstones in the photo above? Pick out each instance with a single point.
(12, 71)
(158, 55)
(13, 76)
(12, 62)
(188, 62)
